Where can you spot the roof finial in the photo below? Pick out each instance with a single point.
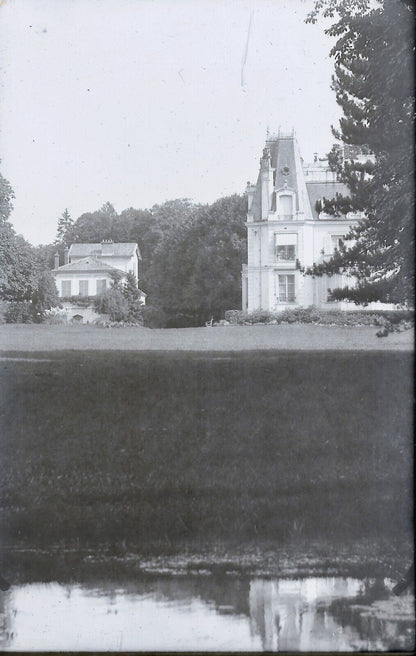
(267, 131)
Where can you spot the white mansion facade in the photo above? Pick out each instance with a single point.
(287, 233)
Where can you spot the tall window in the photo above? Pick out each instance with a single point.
(66, 288)
(286, 288)
(286, 247)
(83, 287)
(101, 286)
(285, 210)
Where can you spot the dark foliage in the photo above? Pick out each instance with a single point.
(191, 256)
(113, 303)
(18, 312)
(196, 271)
(22, 272)
(65, 233)
(44, 295)
(374, 87)
(131, 293)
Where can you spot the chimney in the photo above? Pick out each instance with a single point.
(66, 255)
(56, 260)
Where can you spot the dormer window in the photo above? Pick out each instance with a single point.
(285, 207)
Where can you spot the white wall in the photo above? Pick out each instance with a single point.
(75, 279)
(88, 314)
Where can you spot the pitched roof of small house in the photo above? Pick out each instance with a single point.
(328, 190)
(87, 264)
(106, 248)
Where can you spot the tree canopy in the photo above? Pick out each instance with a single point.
(191, 255)
(24, 278)
(65, 233)
(16, 256)
(196, 268)
(373, 82)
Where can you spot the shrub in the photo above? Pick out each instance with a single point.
(390, 320)
(233, 316)
(55, 316)
(181, 320)
(154, 317)
(113, 303)
(102, 322)
(19, 312)
(260, 316)
(80, 301)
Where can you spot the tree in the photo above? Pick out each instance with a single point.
(23, 279)
(65, 233)
(146, 227)
(44, 295)
(6, 196)
(373, 82)
(17, 260)
(18, 266)
(116, 278)
(196, 267)
(95, 226)
(132, 295)
(113, 303)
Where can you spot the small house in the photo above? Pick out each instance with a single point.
(88, 271)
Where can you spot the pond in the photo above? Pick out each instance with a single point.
(191, 613)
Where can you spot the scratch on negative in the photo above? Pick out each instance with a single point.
(245, 53)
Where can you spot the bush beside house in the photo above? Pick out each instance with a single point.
(389, 320)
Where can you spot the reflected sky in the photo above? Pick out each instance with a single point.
(204, 613)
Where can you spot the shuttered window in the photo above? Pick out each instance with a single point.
(83, 287)
(101, 286)
(66, 288)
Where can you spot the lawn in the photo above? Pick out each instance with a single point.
(161, 447)
(21, 337)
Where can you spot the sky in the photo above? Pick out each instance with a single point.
(141, 101)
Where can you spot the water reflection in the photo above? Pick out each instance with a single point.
(205, 613)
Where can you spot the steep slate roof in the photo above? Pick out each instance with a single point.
(328, 190)
(286, 172)
(89, 263)
(117, 249)
(256, 206)
(283, 155)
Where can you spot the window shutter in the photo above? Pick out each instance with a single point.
(66, 288)
(286, 238)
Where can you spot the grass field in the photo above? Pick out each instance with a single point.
(146, 448)
(21, 337)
